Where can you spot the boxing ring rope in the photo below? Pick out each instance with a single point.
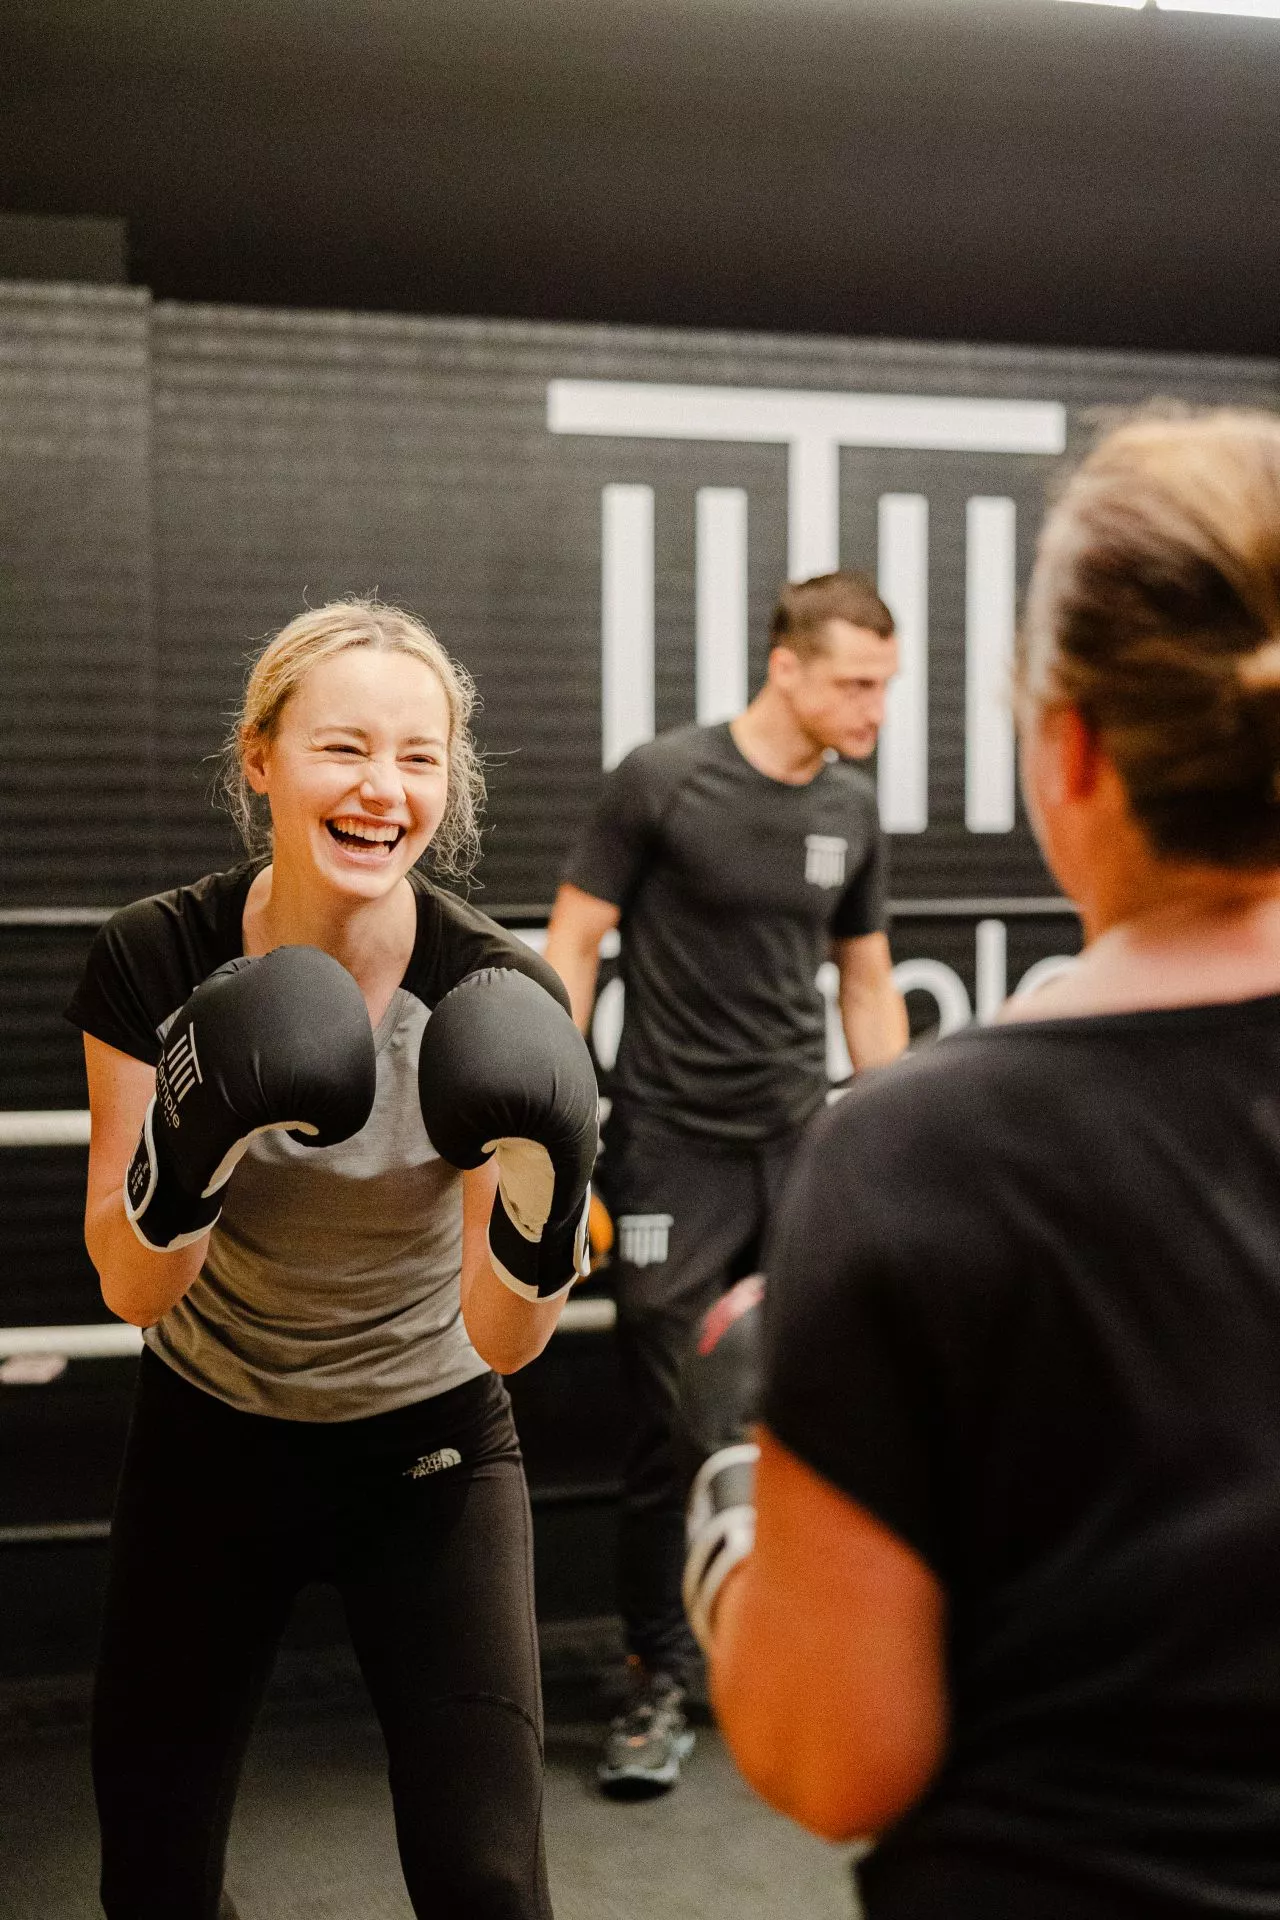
(1015, 906)
(115, 1340)
(111, 1340)
(47, 1127)
(69, 1127)
(38, 1129)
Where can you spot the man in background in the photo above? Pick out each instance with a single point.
(735, 859)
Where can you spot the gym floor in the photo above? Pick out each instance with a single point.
(313, 1838)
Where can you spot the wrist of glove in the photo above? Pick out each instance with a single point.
(537, 1257)
(720, 1530)
(717, 1404)
(163, 1214)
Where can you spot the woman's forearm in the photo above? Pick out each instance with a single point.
(505, 1330)
(827, 1663)
(138, 1284)
(876, 1028)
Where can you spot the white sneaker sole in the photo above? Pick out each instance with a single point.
(638, 1776)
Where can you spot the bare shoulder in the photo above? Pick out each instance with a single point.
(1067, 995)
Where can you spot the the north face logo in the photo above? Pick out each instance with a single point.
(642, 1237)
(824, 859)
(433, 1463)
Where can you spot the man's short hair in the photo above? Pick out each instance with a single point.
(805, 606)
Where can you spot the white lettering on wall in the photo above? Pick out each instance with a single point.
(991, 969)
(919, 975)
(950, 995)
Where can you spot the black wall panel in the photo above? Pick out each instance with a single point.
(41, 1064)
(298, 456)
(76, 578)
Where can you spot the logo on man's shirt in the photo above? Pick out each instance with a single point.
(643, 1237)
(824, 855)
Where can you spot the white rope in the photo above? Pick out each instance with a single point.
(115, 1340)
(588, 1316)
(53, 1127)
(73, 1343)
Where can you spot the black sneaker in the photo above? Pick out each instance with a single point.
(647, 1741)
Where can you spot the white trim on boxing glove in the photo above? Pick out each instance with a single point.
(235, 1153)
(134, 1215)
(719, 1537)
(581, 1253)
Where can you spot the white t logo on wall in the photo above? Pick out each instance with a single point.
(814, 427)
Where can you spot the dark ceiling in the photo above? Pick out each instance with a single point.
(937, 169)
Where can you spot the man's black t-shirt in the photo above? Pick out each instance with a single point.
(1025, 1307)
(730, 886)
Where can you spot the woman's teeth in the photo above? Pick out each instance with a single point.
(362, 833)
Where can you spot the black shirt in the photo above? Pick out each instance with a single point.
(730, 886)
(1025, 1307)
(149, 958)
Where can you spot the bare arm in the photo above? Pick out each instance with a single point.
(872, 1011)
(138, 1283)
(579, 922)
(505, 1330)
(827, 1658)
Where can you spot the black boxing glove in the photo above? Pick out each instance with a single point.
(504, 1071)
(278, 1042)
(718, 1399)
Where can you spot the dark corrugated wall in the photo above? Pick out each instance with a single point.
(177, 481)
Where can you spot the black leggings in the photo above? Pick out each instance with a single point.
(420, 1517)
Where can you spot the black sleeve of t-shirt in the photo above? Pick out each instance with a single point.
(135, 976)
(876, 1327)
(467, 941)
(610, 857)
(861, 908)
(150, 957)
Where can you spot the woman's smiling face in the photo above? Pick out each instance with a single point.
(357, 771)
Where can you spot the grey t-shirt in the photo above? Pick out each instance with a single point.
(730, 886)
(330, 1289)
